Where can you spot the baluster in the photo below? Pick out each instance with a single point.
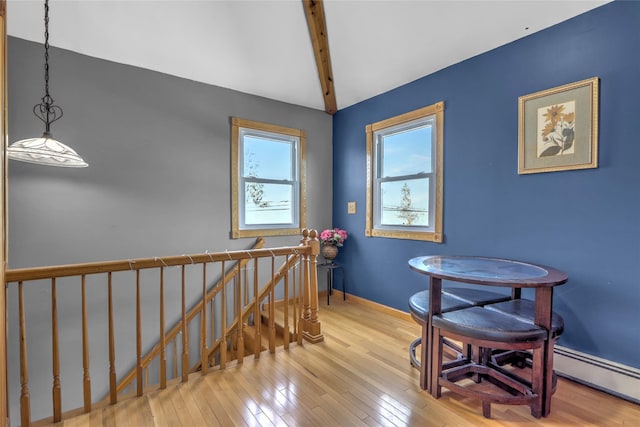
(113, 384)
(297, 315)
(188, 358)
(257, 318)
(212, 329)
(175, 358)
(25, 397)
(286, 306)
(240, 344)
(272, 307)
(185, 336)
(234, 345)
(163, 352)
(57, 392)
(236, 269)
(234, 305)
(246, 286)
(204, 355)
(85, 350)
(294, 291)
(139, 383)
(223, 324)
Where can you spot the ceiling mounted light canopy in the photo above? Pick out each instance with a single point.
(46, 150)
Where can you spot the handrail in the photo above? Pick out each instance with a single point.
(193, 312)
(247, 302)
(248, 310)
(50, 272)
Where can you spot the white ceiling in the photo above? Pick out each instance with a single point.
(263, 47)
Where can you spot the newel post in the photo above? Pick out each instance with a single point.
(312, 331)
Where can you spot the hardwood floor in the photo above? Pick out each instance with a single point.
(360, 376)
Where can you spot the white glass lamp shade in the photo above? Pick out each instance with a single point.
(45, 151)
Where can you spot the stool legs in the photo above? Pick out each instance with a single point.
(486, 409)
(436, 367)
(538, 382)
(424, 359)
(423, 364)
(412, 352)
(480, 367)
(543, 317)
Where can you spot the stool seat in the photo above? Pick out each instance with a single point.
(488, 330)
(419, 304)
(475, 296)
(452, 298)
(489, 325)
(524, 310)
(419, 308)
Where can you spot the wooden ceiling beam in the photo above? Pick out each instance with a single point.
(314, 12)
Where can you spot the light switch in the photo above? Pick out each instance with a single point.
(351, 207)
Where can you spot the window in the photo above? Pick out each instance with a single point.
(404, 175)
(268, 179)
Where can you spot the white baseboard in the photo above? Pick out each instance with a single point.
(611, 377)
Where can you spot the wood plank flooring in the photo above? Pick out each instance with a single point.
(360, 376)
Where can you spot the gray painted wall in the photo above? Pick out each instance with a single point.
(158, 184)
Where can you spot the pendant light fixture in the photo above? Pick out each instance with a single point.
(46, 150)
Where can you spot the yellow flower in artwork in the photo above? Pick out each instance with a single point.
(556, 126)
(548, 128)
(554, 113)
(569, 117)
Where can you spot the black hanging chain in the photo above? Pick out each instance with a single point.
(46, 49)
(46, 111)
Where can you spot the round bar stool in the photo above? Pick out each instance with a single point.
(488, 329)
(452, 299)
(524, 310)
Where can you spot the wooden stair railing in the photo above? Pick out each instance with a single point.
(250, 308)
(180, 328)
(247, 305)
(219, 345)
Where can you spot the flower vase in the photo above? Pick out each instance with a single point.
(329, 252)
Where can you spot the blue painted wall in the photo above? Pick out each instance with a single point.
(584, 222)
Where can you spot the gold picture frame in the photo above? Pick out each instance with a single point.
(558, 128)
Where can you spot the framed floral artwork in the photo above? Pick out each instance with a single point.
(558, 128)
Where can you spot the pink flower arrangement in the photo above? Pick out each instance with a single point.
(334, 236)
